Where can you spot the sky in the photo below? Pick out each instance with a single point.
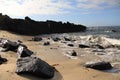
(85, 12)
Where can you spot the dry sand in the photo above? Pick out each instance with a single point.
(67, 69)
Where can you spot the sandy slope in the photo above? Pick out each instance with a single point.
(67, 69)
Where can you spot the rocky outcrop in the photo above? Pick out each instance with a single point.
(28, 26)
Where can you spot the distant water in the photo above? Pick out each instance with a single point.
(111, 32)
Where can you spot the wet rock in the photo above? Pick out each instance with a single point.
(2, 60)
(46, 43)
(34, 66)
(84, 46)
(101, 65)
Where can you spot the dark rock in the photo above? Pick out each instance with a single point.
(99, 65)
(24, 52)
(67, 39)
(46, 43)
(84, 46)
(10, 45)
(34, 66)
(2, 60)
(37, 38)
(114, 31)
(56, 39)
(71, 45)
(98, 50)
(72, 53)
(97, 46)
(100, 47)
(19, 41)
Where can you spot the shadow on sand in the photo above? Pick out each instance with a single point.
(57, 76)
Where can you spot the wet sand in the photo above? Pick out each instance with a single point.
(68, 68)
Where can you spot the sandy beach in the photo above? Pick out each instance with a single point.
(67, 67)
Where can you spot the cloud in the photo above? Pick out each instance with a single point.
(53, 7)
(97, 4)
(31, 7)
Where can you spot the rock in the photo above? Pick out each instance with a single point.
(98, 46)
(2, 60)
(36, 38)
(99, 65)
(98, 50)
(46, 43)
(8, 45)
(67, 39)
(71, 45)
(84, 46)
(114, 31)
(24, 52)
(19, 41)
(34, 66)
(72, 53)
(56, 39)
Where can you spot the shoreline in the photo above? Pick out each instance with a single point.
(68, 68)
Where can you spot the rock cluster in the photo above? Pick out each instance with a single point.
(27, 62)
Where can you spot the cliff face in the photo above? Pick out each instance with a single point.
(30, 27)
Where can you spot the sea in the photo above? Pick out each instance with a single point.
(110, 32)
(106, 31)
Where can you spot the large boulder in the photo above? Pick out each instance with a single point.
(34, 66)
(100, 65)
